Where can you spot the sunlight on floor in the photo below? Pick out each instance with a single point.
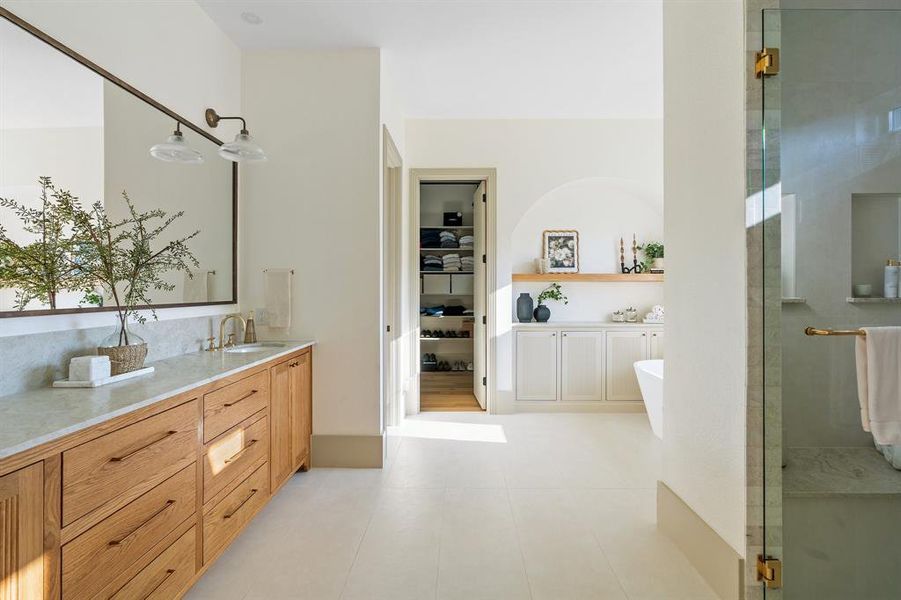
(447, 430)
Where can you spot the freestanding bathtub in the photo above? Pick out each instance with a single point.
(650, 380)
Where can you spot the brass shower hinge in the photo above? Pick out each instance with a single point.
(769, 571)
(767, 63)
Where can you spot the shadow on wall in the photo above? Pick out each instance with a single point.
(602, 209)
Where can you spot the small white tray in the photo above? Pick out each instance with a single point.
(65, 383)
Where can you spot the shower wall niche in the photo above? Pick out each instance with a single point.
(875, 237)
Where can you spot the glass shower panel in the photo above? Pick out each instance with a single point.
(831, 218)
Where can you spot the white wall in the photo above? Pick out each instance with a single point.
(535, 160)
(602, 210)
(704, 174)
(315, 207)
(203, 69)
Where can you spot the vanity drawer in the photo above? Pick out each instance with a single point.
(228, 406)
(233, 453)
(96, 557)
(132, 459)
(230, 515)
(166, 576)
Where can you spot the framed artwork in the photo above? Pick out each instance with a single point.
(561, 249)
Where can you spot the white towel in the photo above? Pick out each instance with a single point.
(196, 286)
(879, 383)
(277, 297)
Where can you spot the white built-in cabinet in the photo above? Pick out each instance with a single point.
(536, 365)
(656, 345)
(582, 365)
(624, 349)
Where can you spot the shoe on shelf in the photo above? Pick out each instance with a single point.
(451, 334)
(469, 366)
(439, 334)
(434, 358)
(426, 333)
(464, 334)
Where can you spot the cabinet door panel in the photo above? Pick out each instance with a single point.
(301, 410)
(582, 365)
(22, 534)
(624, 349)
(280, 422)
(656, 345)
(536, 365)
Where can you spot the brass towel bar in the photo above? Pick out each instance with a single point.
(815, 331)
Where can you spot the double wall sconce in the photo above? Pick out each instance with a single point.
(176, 149)
(243, 149)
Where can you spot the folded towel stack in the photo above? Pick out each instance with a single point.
(449, 239)
(468, 263)
(466, 241)
(432, 262)
(451, 262)
(430, 238)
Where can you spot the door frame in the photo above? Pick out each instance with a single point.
(450, 175)
(392, 405)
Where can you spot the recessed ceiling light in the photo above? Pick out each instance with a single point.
(252, 18)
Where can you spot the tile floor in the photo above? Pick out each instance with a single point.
(470, 506)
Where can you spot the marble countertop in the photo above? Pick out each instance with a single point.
(565, 324)
(36, 417)
(819, 472)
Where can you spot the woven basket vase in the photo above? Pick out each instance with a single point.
(124, 359)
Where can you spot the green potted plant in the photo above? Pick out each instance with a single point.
(124, 258)
(552, 292)
(653, 251)
(40, 269)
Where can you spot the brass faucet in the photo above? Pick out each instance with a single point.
(231, 336)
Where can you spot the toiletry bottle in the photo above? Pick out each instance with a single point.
(892, 276)
(250, 332)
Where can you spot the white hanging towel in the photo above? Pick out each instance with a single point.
(277, 297)
(197, 286)
(879, 383)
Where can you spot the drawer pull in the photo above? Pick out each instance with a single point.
(169, 573)
(240, 506)
(168, 504)
(238, 454)
(241, 399)
(144, 447)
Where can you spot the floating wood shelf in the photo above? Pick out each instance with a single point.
(596, 277)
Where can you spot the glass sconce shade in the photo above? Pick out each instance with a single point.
(243, 149)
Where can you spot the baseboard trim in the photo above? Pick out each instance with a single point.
(717, 562)
(545, 406)
(348, 451)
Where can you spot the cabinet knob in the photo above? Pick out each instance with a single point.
(553, 335)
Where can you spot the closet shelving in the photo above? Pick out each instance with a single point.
(446, 288)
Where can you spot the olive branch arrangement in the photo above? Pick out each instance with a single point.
(79, 249)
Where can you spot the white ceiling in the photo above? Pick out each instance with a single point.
(482, 59)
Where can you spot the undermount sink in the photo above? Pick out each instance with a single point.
(258, 347)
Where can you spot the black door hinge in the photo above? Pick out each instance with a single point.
(484, 197)
(484, 381)
(389, 328)
(484, 319)
(484, 259)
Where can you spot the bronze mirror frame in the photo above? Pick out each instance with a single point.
(27, 27)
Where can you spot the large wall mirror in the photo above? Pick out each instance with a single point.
(65, 118)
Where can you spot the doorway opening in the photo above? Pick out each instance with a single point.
(451, 296)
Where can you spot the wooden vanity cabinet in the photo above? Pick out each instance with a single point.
(140, 505)
(292, 416)
(22, 534)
